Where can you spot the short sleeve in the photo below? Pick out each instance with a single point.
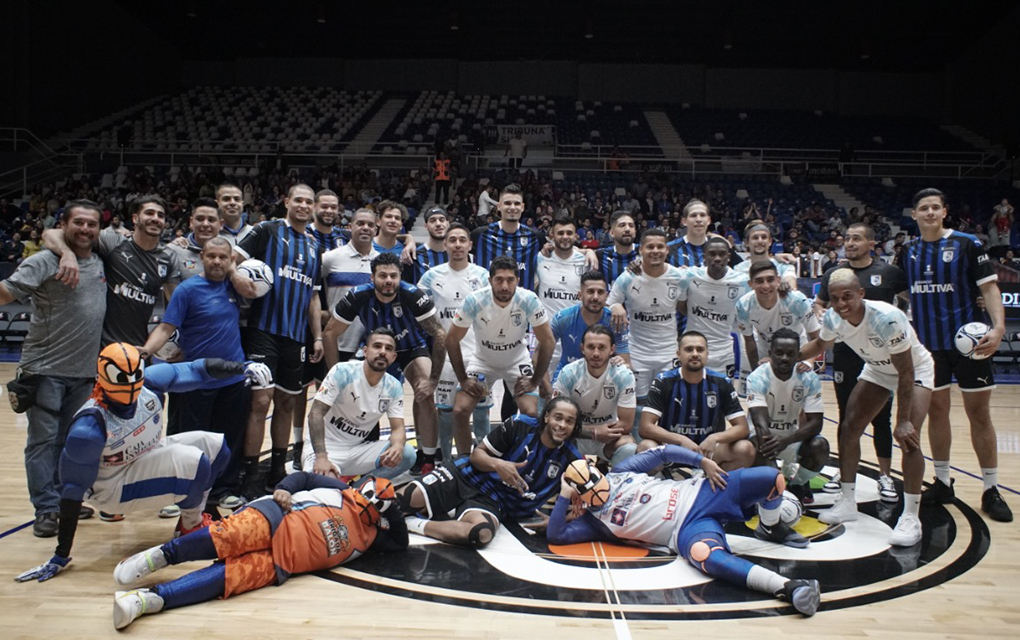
(254, 244)
(537, 313)
(30, 275)
(829, 323)
(619, 291)
(108, 241)
(626, 389)
(420, 302)
(658, 396)
(729, 400)
(744, 316)
(813, 393)
(758, 387)
(177, 309)
(346, 310)
(502, 438)
(894, 329)
(331, 385)
(396, 405)
(979, 263)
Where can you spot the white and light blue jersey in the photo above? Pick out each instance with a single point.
(355, 406)
(600, 397)
(449, 288)
(500, 332)
(712, 308)
(559, 280)
(568, 327)
(651, 310)
(792, 311)
(784, 399)
(883, 331)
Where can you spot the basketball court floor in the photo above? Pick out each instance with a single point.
(961, 581)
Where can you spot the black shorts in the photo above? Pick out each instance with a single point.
(448, 496)
(970, 374)
(284, 357)
(404, 358)
(312, 371)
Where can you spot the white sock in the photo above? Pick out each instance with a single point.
(849, 490)
(990, 477)
(761, 579)
(911, 503)
(942, 471)
(191, 518)
(769, 517)
(430, 451)
(416, 524)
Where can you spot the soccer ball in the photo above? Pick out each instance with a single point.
(592, 486)
(259, 272)
(791, 510)
(968, 337)
(171, 349)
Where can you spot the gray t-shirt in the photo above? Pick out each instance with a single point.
(63, 339)
(189, 259)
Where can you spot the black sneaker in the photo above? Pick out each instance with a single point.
(996, 508)
(46, 525)
(252, 486)
(780, 533)
(86, 512)
(804, 595)
(804, 492)
(273, 478)
(298, 450)
(419, 460)
(939, 493)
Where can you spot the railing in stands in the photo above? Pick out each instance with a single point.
(47, 164)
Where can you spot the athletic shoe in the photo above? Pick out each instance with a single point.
(110, 517)
(939, 493)
(46, 525)
(172, 511)
(419, 460)
(299, 447)
(130, 570)
(780, 533)
(274, 478)
(231, 502)
(804, 492)
(907, 532)
(86, 512)
(887, 489)
(833, 485)
(843, 510)
(804, 595)
(996, 508)
(128, 606)
(252, 487)
(181, 531)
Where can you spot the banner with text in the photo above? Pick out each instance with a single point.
(533, 134)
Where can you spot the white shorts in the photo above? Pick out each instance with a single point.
(153, 480)
(509, 375)
(446, 390)
(725, 365)
(646, 370)
(924, 377)
(591, 448)
(351, 460)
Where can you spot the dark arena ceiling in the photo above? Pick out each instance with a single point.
(889, 35)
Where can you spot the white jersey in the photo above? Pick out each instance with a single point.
(355, 406)
(129, 438)
(343, 269)
(500, 331)
(782, 269)
(792, 311)
(651, 310)
(884, 331)
(784, 399)
(558, 281)
(646, 508)
(712, 308)
(600, 397)
(448, 289)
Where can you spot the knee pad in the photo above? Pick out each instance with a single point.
(701, 552)
(475, 535)
(404, 499)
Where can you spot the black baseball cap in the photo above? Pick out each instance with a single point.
(434, 210)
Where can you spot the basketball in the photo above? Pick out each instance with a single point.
(967, 339)
(259, 272)
(171, 349)
(592, 486)
(791, 510)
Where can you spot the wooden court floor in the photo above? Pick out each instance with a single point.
(980, 603)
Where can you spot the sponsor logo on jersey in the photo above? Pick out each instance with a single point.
(798, 394)
(132, 292)
(338, 539)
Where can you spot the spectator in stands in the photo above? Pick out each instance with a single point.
(831, 260)
(979, 233)
(1010, 260)
(486, 200)
(442, 174)
(33, 245)
(12, 249)
(517, 151)
(1001, 224)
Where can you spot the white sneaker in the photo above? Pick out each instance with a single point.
(887, 489)
(833, 486)
(173, 511)
(843, 510)
(907, 532)
(231, 502)
(128, 606)
(131, 570)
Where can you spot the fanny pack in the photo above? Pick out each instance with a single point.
(22, 390)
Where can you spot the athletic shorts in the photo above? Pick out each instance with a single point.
(970, 374)
(446, 390)
(520, 369)
(645, 371)
(284, 357)
(312, 371)
(924, 376)
(351, 460)
(448, 496)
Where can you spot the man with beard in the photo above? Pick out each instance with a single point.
(405, 310)
(569, 325)
(205, 224)
(508, 476)
(276, 327)
(614, 260)
(558, 276)
(762, 312)
(346, 411)
(432, 252)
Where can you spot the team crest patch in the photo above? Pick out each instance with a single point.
(672, 292)
(398, 311)
(712, 400)
(732, 292)
(645, 498)
(579, 269)
(876, 280)
(609, 392)
(619, 517)
(553, 470)
(798, 394)
(786, 319)
(189, 264)
(837, 377)
(517, 318)
(524, 242)
(876, 342)
(161, 269)
(384, 405)
(947, 255)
